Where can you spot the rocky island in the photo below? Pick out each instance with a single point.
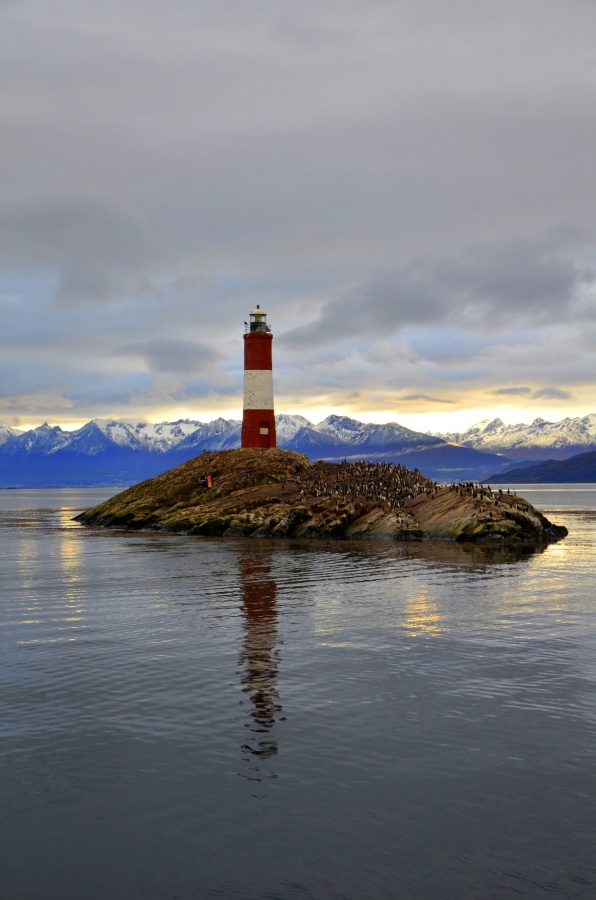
(280, 493)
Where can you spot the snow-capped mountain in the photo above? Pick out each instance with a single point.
(539, 440)
(156, 438)
(351, 431)
(287, 427)
(41, 441)
(344, 429)
(221, 434)
(6, 432)
(338, 436)
(117, 452)
(110, 451)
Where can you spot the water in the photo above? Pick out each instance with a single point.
(188, 718)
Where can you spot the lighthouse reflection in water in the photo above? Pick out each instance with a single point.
(260, 655)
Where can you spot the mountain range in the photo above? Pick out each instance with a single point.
(119, 452)
(539, 441)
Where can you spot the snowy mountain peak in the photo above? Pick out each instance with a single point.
(334, 421)
(540, 440)
(486, 426)
(155, 437)
(287, 426)
(6, 433)
(43, 440)
(343, 427)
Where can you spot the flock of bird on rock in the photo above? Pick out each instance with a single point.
(387, 484)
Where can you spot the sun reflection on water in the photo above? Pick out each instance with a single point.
(49, 593)
(421, 614)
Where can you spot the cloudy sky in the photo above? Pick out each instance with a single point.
(408, 187)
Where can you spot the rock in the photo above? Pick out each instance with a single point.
(279, 493)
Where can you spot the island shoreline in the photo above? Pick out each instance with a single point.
(280, 493)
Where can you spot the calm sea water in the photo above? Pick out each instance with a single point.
(187, 718)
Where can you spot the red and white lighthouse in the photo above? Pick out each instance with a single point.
(258, 418)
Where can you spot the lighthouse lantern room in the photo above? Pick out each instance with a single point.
(258, 321)
(258, 417)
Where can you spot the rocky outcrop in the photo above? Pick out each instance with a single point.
(281, 493)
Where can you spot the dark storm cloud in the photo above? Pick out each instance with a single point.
(109, 390)
(552, 393)
(512, 392)
(518, 282)
(414, 397)
(173, 355)
(204, 387)
(21, 377)
(97, 245)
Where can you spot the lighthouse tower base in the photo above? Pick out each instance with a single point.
(258, 428)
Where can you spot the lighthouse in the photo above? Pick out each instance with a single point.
(258, 418)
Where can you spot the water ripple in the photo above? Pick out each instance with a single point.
(198, 717)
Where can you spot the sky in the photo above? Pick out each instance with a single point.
(407, 187)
